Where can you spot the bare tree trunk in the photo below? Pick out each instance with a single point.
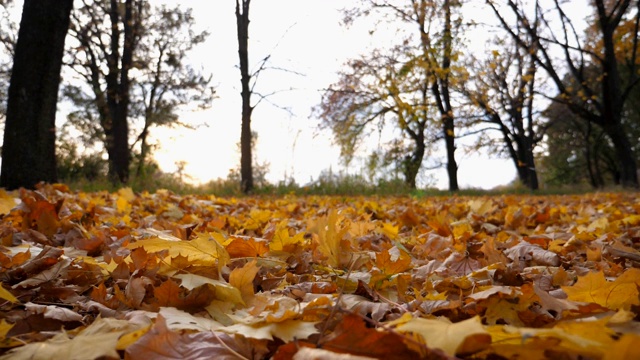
(121, 159)
(413, 162)
(28, 153)
(613, 100)
(443, 98)
(246, 158)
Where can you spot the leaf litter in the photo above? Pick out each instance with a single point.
(164, 276)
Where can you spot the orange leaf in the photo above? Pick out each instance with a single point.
(393, 261)
(240, 247)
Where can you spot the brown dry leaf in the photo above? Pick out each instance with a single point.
(532, 255)
(352, 336)
(163, 344)
(170, 294)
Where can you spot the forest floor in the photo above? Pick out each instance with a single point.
(110, 275)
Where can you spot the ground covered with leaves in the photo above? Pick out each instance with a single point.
(162, 276)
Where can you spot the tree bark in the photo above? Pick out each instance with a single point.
(443, 98)
(413, 162)
(613, 100)
(246, 158)
(28, 153)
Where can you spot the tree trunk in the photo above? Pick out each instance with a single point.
(413, 163)
(120, 156)
(530, 165)
(613, 100)
(246, 158)
(444, 100)
(28, 153)
(625, 157)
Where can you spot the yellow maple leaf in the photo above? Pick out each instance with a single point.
(123, 202)
(6, 295)
(465, 337)
(618, 294)
(282, 239)
(7, 202)
(390, 230)
(329, 234)
(127, 339)
(625, 348)
(242, 279)
(4, 328)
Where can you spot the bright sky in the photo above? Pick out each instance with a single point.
(302, 36)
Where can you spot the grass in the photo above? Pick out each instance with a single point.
(344, 186)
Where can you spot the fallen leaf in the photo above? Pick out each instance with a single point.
(6, 295)
(223, 290)
(242, 279)
(618, 294)
(163, 344)
(87, 345)
(465, 337)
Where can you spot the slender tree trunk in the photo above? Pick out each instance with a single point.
(452, 166)
(246, 158)
(593, 179)
(444, 99)
(120, 127)
(530, 165)
(414, 162)
(625, 156)
(144, 150)
(28, 153)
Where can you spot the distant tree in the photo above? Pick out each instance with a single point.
(577, 152)
(8, 38)
(438, 24)
(601, 100)
(581, 152)
(136, 76)
(108, 33)
(378, 91)
(28, 153)
(503, 88)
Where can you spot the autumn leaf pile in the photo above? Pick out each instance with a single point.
(162, 276)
